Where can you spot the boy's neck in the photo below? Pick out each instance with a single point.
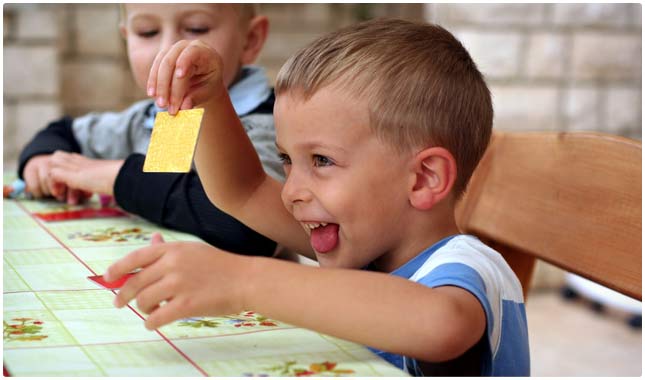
(238, 77)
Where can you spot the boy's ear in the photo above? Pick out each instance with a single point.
(435, 172)
(256, 35)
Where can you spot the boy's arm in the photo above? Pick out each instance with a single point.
(35, 160)
(375, 309)
(88, 153)
(234, 179)
(178, 201)
(189, 74)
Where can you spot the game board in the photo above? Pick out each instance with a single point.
(58, 323)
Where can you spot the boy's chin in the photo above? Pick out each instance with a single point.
(327, 259)
(333, 259)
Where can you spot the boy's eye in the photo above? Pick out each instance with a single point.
(284, 158)
(197, 30)
(147, 33)
(322, 160)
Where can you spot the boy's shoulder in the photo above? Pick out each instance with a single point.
(473, 256)
(115, 135)
(252, 93)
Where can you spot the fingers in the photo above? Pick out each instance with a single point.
(59, 179)
(141, 280)
(154, 70)
(32, 173)
(70, 162)
(82, 174)
(151, 296)
(140, 258)
(39, 179)
(179, 89)
(59, 190)
(73, 196)
(192, 61)
(165, 74)
(44, 182)
(156, 238)
(32, 182)
(58, 176)
(171, 311)
(138, 285)
(177, 73)
(204, 73)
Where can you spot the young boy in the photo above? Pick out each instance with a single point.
(113, 144)
(379, 126)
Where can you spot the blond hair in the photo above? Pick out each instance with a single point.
(422, 87)
(245, 11)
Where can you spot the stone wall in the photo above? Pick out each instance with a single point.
(550, 66)
(555, 66)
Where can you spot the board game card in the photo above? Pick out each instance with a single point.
(111, 285)
(85, 213)
(173, 140)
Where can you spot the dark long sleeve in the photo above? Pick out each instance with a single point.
(178, 201)
(58, 135)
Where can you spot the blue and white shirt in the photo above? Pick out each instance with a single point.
(464, 261)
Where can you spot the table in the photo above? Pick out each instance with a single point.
(59, 323)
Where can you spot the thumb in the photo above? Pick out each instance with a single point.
(156, 238)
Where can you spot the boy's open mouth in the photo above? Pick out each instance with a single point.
(323, 236)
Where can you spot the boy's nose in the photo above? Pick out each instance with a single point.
(294, 190)
(168, 39)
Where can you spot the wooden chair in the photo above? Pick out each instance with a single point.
(571, 199)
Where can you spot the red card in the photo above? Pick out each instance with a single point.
(111, 285)
(86, 213)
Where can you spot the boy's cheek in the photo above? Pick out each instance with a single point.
(140, 64)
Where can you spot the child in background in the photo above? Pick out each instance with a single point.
(112, 145)
(379, 126)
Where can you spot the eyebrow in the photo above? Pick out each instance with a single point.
(139, 16)
(179, 15)
(313, 145)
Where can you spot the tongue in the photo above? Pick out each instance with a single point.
(324, 239)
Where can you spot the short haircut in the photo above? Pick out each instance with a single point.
(422, 87)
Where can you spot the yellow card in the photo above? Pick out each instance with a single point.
(173, 141)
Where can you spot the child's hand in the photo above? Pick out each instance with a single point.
(36, 176)
(194, 278)
(76, 176)
(186, 75)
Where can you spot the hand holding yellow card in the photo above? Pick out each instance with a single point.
(173, 141)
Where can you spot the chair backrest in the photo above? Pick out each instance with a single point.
(571, 199)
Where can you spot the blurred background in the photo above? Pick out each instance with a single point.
(559, 67)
